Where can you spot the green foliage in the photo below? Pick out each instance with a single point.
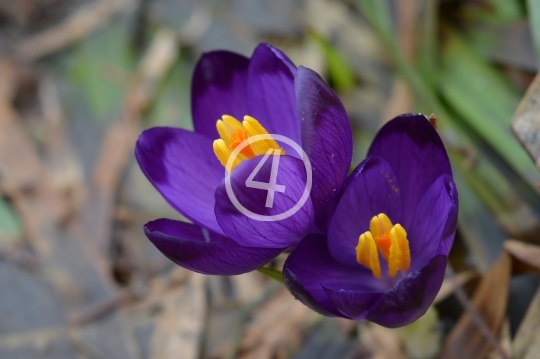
(102, 66)
(474, 103)
(505, 10)
(485, 100)
(340, 73)
(533, 8)
(10, 224)
(172, 106)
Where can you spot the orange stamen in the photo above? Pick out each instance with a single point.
(233, 132)
(391, 240)
(383, 243)
(239, 136)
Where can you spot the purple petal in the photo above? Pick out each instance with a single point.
(281, 55)
(218, 88)
(416, 153)
(353, 305)
(270, 233)
(433, 226)
(302, 294)
(202, 251)
(271, 96)
(183, 168)
(410, 298)
(449, 231)
(326, 138)
(310, 271)
(371, 189)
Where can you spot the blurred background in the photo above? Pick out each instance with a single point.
(80, 80)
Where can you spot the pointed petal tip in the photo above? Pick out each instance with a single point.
(174, 161)
(200, 250)
(326, 138)
(218, 87)
(266, 47)
(416, 153)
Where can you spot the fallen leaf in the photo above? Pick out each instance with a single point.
(526, 253)
(526, 344)
(69, 264)
(470, 337)
(526, 121)
(506, 342)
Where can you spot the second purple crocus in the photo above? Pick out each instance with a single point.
(234, 98)
(384, 256)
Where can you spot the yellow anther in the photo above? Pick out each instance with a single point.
(395, 255)
(223, 152)
(255, 128)
(398, 236)
(233, 132)
(380, 224)
(391, 240)
(232, 122)
(380, 227)
(224, 131)
(366, 254)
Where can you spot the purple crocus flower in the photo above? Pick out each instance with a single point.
(384, 256)
(272, 96)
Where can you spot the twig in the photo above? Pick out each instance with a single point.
(87, 19)
(102, 308)
(19, 257)
(119, 142)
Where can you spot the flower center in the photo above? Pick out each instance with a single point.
(233, 132)
(391, 240)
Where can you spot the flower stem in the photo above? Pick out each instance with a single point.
(272, 273)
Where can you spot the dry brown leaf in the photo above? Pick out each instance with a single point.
(526, 253)
(526, 120)
(276, 326)
(448, 287)
(69, 265)
(526, 344)
(180, 325)
(468, 339)
(506, 341)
